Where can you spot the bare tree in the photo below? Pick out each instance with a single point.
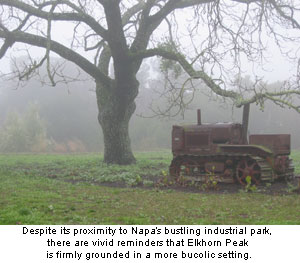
(219, 34)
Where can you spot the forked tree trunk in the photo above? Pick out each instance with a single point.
(114, 115)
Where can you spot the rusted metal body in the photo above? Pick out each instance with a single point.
(222, 150)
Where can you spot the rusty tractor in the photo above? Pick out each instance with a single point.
(223, 151)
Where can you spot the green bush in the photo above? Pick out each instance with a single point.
(23, 133)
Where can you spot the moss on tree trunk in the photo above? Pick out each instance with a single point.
(117, 148)
(115, 110)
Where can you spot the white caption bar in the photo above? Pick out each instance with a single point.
(64, 244)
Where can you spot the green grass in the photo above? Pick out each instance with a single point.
(64, 189)
(88, 167)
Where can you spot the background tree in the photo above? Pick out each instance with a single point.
(23, 133)
(222, 35)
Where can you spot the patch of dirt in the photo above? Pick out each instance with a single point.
(279, 187)
(275, 188)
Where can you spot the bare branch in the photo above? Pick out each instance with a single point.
(60, 49)
(290, 18)
(132, 11)
(6, 45)
(28, 71)
(237, 97)
(221, 33)
(80, 16)
(48, 47)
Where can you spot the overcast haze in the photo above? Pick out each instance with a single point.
(83, 112)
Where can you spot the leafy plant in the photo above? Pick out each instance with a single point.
(133, 181)
(148, 183)
(211, 180)
(293, 188)
(249, 187)
(165, 179)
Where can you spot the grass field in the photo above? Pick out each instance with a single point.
(72, 189)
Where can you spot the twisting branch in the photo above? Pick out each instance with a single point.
(132, 11)
(8, 42)
(79, 16)
(290, 17)
(188, 69)
(28, 71)
(6, 45)
(220, 32)
(48, 47)
(237, 97)
(61, 50)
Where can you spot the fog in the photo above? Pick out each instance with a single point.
(37, 118)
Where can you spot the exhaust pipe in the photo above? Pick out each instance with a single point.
(245, 123)
(199, 117)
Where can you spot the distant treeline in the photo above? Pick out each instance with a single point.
(64, 118)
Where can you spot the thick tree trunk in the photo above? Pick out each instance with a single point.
(117, 148)
(115, 111)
